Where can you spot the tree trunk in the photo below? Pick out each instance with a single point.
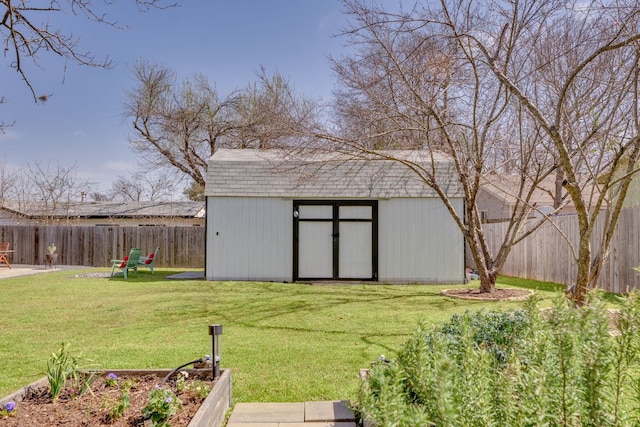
(488, 280)
(578, 291)
(487, 268)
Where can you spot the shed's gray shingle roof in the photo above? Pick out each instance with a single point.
(275, 173)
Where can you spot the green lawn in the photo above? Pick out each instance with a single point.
(283, 342)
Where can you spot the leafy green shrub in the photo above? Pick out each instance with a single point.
(495, 331)
(563, 367)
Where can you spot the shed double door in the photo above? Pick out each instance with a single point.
(335, 240)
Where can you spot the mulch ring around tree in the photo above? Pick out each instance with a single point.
(499, 294)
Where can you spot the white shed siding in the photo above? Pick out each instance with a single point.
(419, 241)
(249, 238)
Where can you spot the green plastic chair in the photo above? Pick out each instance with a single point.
(147, 261)
(128, 263)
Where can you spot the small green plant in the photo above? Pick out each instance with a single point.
(181, 381)
(162, 405)
(8, 410)
(111, 380)
(198, 389)
(193, 390)
(116, 408)
(128, 384)
(52, 248)
(73, 392)
(63, 366)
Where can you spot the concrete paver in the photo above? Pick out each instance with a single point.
(319, 424)
(307, 424)
(234, 424)
(327, 411)
(267, 413)
(297, 414)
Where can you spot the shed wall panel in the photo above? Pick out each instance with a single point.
(249, 239)
(419, 242)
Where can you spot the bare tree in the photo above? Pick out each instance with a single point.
(143, 186)
(8, 184)
(266, 113)
(177, 126)
(52, 187)
(574, 68)
(411, 85)
(528, 87)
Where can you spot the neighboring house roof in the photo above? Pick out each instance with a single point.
(184, 209)
(506, 188)
(277, 173)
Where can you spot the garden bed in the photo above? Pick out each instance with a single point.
(204, 401)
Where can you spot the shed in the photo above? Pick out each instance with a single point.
(277, 216)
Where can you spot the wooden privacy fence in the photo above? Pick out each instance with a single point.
(546, 255)
(180, 246)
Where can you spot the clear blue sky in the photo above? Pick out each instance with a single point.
(227, 40)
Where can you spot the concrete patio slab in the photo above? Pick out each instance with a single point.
(24, 270)
(188, 275)
(336, 410)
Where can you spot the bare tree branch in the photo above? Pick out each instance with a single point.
(27, 34)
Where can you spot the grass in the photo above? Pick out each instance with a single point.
(283, 342)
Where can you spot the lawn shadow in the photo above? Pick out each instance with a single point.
(147, 276)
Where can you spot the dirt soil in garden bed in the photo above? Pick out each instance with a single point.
(499, 294)
(92, 409)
